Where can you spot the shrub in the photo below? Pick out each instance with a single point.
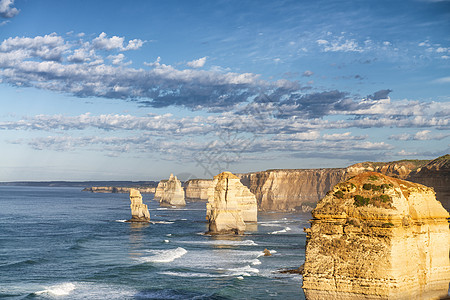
(360, 200)
(367, 186)
(373, 177)
(339, 194)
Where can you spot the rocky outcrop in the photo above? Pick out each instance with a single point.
(139, 211)
(197, 189)
(436, 174)
(116, 189)
(377, 237)
(230, 205)
(159, 191)
(173, 193)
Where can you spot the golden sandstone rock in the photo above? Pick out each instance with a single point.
(139, 211)
(230, 205)
(377, 237)
(173, 193)
(197, 189)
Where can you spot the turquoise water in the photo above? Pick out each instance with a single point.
(61, 243)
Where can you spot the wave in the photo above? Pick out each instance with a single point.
(243, 271)
(222, 242)
(62, 289)
(192, 274)
(164, 256)
(286, 229)
(121, 221)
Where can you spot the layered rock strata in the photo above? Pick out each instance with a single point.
(377, 237)
(230, 205)
(160, 189)
(173, 194)
(139, 211)
(197, 189)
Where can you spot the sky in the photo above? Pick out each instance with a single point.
(136, 90)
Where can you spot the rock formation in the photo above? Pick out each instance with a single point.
(160, 189)
(282, 190)
(197, 189)
(173, 194)
(300, 189)
(230, 205)
(436, 174)
(139, 211)
(377, 237)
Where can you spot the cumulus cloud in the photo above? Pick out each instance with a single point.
(340, 44)
(7, 10)
(423, 135)
(102, 42)
(198, 63)
(308, 73)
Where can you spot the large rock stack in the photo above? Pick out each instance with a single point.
(230, 205)
(197, 189)
(377, 237)
(173, 194)
(139, 211)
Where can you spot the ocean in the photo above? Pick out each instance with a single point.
(61, 243)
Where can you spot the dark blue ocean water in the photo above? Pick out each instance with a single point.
(61, 243)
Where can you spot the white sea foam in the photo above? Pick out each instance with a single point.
(243, 271)
(161, 222)
(62, 289)
(164, 256)
(166, 241)
(222, 242)
(240, 278)
(192, 274)
(256, 262)
(121, 221)
(286, 229)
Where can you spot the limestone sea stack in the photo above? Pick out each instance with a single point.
(173, 194)
(230, 205)
(139, 211)
(377, 237)
(160, 189)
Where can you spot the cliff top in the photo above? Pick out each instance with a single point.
(373, 195)
(226, 175)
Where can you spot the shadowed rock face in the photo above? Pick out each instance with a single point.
(230, 205)
(139, 211)
(173, 193)
(377, 237)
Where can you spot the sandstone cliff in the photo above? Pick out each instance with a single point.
(197, 189)
(173, 193)
(300, 189)
(230, 205)
(290, 189)
(377, 237)
(436, 174)
(139, 211)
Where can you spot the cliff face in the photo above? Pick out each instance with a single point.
(173, 193)
(436, 174)
(197, 189)
(290, 189)
(159, 191)
(139, 211)
(377, 237)
(230, 205)
(300, 189)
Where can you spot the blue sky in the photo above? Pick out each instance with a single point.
(115, 90)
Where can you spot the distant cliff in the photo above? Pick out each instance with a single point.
(197, 189)
(300, 189)
(436, 174)
(114, 189)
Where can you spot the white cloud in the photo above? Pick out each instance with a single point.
(102, 42)
(7, 10)
(308, 73)
(442, 80)
(198, 63)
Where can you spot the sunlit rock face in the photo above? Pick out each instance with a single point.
(230, 205)
(139, 211)
(173, 193)
(377, 237)
(160, 189)
(197, 189)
